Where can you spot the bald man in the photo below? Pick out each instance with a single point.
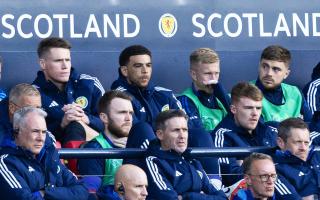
(131, 183)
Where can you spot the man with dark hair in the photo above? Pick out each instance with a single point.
(134, 78)
(115, 110)
(281, 100)
(205, 102)
(69, 98)
(296, 160)
(30, 171)
(171, 173)
(242, 128)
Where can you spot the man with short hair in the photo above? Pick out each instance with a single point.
(28, 172)
(134, 78)
(115, 110)
(131, 183)
(296, 160)
(69, 98)
(243, 128)
(260, 177)
(281, 100)
(205, 102)
(20, 96)
(171, 173)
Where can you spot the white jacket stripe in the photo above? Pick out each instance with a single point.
(153, 169)
(96, 81)
(282, 189)
(311, 95)
(7, 175)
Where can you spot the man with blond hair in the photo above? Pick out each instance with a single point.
(205, 102)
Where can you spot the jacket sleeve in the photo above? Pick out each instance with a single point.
(312, 96)
(159, 186)
(306, 111)
(222, 95)
(174, 102)
(71, 188)
(93, 116)
(13, 185)
(284, 190)
(209, 191)
(192, 111)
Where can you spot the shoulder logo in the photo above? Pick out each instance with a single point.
(168, 25)
(178, 173)
(165, 107)
(82, 101)
(301, 173)
(30, 169)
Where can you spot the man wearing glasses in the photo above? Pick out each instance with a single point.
(296, 160)
(261, 181)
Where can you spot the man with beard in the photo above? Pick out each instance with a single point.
(296, 160)
(205, 102)
(281, 100)
(116, 113)
(242, 128)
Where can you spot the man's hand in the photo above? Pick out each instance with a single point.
(73, 112)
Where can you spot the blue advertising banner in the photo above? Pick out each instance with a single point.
(98, 30)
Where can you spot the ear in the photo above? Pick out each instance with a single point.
(104, 118)
(159, 134)
(233, 109)
(281, 143)
(11, 108)
(287, 73)
(42, 63)
(248, 179)
(193, 74)
(124, 71)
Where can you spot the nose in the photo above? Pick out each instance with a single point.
(128, 117)
(144, 69)
(144, 191)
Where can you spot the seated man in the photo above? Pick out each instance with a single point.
(69, 98)
(205, 102)
(296, 161)
(281, 100)
(243, 128)
(260, 181)
(116, 112)
(2, 92)
(28, 172)
(20, 96)
(131, 183)
(134, 78)
(171, 175)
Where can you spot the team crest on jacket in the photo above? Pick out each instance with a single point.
(82, 101)
(165, 107)
(168, 25)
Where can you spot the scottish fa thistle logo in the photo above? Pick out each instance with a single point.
(168, 25)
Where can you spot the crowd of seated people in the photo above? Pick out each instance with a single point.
(63, 106)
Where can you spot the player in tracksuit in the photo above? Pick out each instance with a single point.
(29, 169)
(242, 128)
(281, 100)
(205, 102)
(296, 160)
(171, 173)
(69, 98)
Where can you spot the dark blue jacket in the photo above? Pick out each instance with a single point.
(23, 176)
(170, 174)
(207, 100)
(5, 124)
(304, 176)
(228, 134)
(94, 172)
(149, 102)
(276, 97)
(79, 87)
